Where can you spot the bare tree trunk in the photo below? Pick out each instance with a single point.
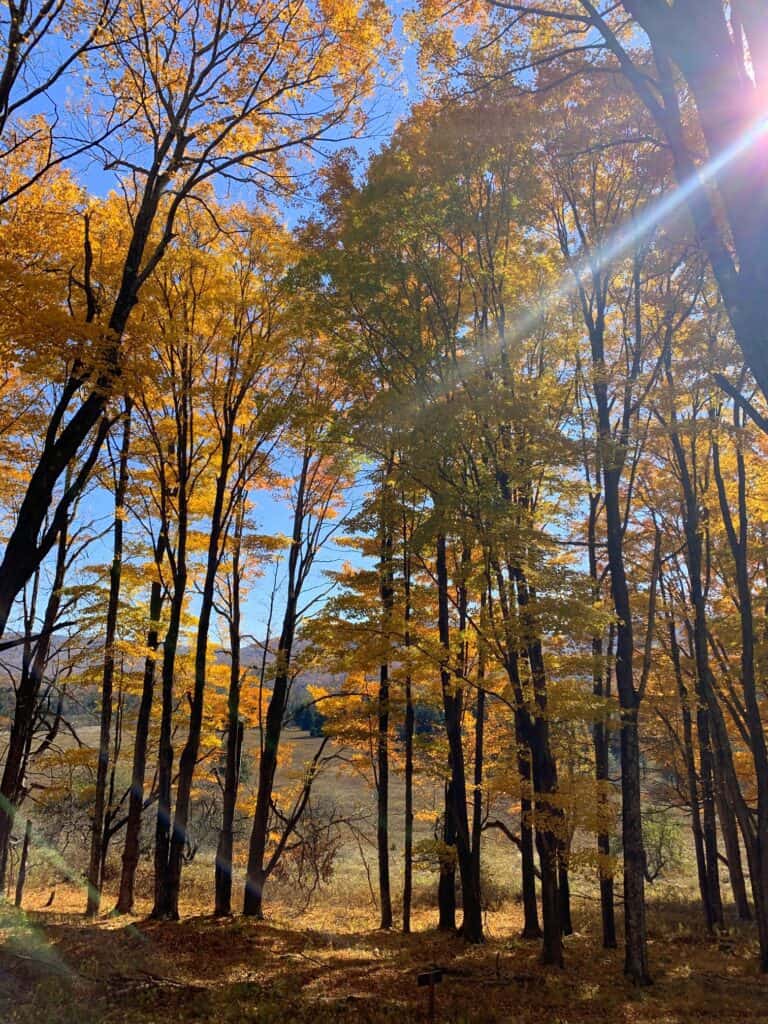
(107, 680)
(256, 875)
(299, 561)
(477, 794)
(409, 731)
(733, 854)
(22, 876)
(223, 874)
(544, 775)
(386, 592)
(472, 926)
(446, 884)
(635, 930)
(693, 529)
(601, 739)
(738, 540)
(382, 799)
(531, 927)
(690, 768)
(35, 659)
(130, 860)
(635, 933)
(223, 877)
(217, 529)
(163, 905)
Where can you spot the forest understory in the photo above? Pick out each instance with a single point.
(330, 964)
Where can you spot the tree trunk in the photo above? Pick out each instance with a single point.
(189, 755)
(12, 788)
(107, 680)
(690, 770)
(738, 541)
(382, 799)
(693, 528)
(733, 853)
(130, 861)
(446, 885)
(387, 596)
(408, 826)
(477, 794)
(223, 873)
(472, 926)
(22, 876)
(564, 886)
(163, 907)
(531, 928)
(298, 566)
(635, 932)
(409, 730)
(548, 816)
(256, 875)
(601, 739)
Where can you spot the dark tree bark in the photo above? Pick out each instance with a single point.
(702, 866)
(472, 926)
(755, 832)
(724, 79)
(108, 674)
(693, 528)
(22, 876)
(163, 908)
(531, 928)
(446, 883)
(601, 738)
(612, 456)
(34, 660)
(131, 846)
(387, 597)
(304, 546)
(217, 530)
(177, 558)
(409, 731)
(382, 799)
(535, 726)
(733, 855)
(477, 795)
(223, 873)
(635, 948)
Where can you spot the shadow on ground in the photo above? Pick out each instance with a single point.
(59, 969)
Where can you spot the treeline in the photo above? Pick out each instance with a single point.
(550, 376)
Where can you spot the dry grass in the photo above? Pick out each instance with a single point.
(329, 964)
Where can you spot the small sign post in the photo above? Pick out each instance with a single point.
(431, 978)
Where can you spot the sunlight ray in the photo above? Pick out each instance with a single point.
(620, 243)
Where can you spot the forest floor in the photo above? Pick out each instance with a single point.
(329, 964)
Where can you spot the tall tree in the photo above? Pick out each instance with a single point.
(204, 93)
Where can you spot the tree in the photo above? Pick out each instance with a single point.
(320, 477)
(205, 94)
(705, 91)
(44, 45)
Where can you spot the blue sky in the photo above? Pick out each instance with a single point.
(272, 513)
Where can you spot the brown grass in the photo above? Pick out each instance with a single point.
(329, 964)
